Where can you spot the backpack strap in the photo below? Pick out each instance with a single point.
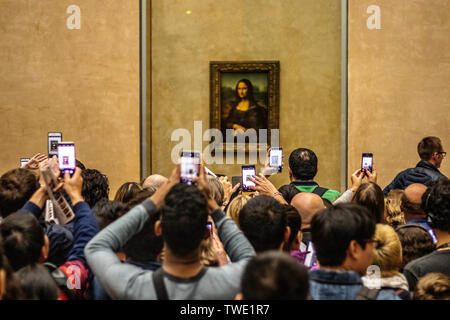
(320, 191)
(61, 279)
(367, 294)
(158, 282)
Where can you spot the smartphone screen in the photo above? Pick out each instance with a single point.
(367, 162)
(276, 158)
(209, 226)
(23, 161)
(66, 157)
(190, 166)
(53, 139)
(247, 172)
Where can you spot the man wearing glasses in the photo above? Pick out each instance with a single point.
(431, 153)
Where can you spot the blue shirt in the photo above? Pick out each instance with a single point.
(340, 285)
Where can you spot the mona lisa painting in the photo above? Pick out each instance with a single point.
(244, 95)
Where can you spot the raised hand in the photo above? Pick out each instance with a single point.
(357, 178)
(34, 162)
(73, 186)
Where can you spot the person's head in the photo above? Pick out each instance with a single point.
(411, 201)
(294, 222)
(302, 164)
(263, 220)
(95, 186)
(433, 286)
(371, 196)
(9, 285)
(145, 245)
(393, 214)
(60, 243)
(387, 251)
(16, 188)
(216, 189)
(37, 283)
(343, 237)
(107, 211)
(24, 241)
(183, 220)
(127, 191)
(154, 181)
(430, 149)
(307, 205)
(244, 90)
(235, 207)
(274, 275)
(436, 204)
(416, 242)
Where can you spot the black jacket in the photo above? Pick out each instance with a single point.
(424, 173)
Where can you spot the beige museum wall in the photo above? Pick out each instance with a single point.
(303, 35)
(399, 82)
(84, 83)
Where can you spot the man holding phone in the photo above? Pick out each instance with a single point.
(184, 212)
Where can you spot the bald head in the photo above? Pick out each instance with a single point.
(307, 204)
(155, 181)
(412, 200)
(414, 192)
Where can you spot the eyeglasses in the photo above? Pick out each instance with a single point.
(443, 153)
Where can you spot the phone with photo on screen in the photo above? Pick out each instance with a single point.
(190, 165)
(24, 161)
(367, 162)
(53, 139)
(276, 158)
(247, 172)
(66, 157)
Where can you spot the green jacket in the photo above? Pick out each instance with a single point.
(310, 187)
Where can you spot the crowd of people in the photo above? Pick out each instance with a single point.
(161, 239)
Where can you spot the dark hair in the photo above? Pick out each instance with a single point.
(145, 245)
(23, 238)
(294, 221)
(107, 211)
(436, 204)
(371, 196)
(95, 186)
(416, 242)
(263, 221)
(288, 191)
(334, 228)
(12, 286)
(16, 187)
(183, 219)
(274, 275)
(303, 163)
(427, 146)
(127, 191)
(37, 283)
(249, 92)
(80, 164)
